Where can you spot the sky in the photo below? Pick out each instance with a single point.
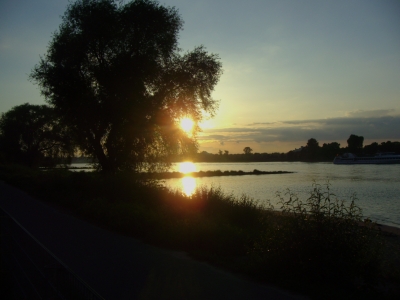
(293, 69)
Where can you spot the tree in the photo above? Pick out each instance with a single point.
(355, 143)
(372, 148)
(312, 143)
(116, 76)
(389, 146)
(311, 151)
(32, 135)
(247, 150)
(330, 150)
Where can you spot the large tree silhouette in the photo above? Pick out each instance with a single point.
(116, 76)
(32, 135)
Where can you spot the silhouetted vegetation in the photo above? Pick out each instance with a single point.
(116, 77)
(355, 143)
(118, 85)
(247, 150)
(166, 175)
(32, 135)
(322, 236)
(311, 152)
(316, 245)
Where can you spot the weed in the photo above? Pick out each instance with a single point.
(322, 238)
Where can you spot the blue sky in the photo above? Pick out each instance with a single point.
(293, 69)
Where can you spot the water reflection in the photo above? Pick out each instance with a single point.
(188, 185)
(187, 167)
(377, 190)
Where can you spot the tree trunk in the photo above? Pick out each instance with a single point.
(104, 161)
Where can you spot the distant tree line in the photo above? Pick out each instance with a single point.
(33, 135)
(311, 152)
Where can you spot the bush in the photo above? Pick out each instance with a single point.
(322, 238)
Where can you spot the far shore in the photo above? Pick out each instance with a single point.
(167, 175)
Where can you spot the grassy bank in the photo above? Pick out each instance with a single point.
(314, 246)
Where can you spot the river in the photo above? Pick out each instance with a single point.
(377, 187)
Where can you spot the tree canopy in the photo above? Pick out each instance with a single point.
(247, 150)
(115, 75)
(32, 135)
(312, 143)
(355, 143)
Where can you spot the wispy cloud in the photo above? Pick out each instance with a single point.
(370, 113)
(334, 129)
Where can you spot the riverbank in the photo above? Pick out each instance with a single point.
(109, 262)
(376, 187)
(174, 174)
(304, 251)
(389, 229)
(168, 175)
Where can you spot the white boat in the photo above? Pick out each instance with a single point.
(379, 158)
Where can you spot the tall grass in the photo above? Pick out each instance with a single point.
(319, 240)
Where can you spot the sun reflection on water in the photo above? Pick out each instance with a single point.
(188, 185)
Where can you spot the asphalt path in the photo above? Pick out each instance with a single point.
(121, 267)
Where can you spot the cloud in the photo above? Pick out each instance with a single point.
(370, 113)
(330, 130)
(213, 137)
(262, 123)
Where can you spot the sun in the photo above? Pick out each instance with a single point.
(187, 167)
(187, 125)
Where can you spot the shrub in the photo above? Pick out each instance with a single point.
(320, 238)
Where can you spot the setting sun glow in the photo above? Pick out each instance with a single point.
(187, 124)
(187, 167)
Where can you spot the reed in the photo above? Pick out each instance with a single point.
(317, 242)
(321, 239)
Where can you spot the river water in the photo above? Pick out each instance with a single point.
(377, 187)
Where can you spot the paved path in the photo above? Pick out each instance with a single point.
(120, 267)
